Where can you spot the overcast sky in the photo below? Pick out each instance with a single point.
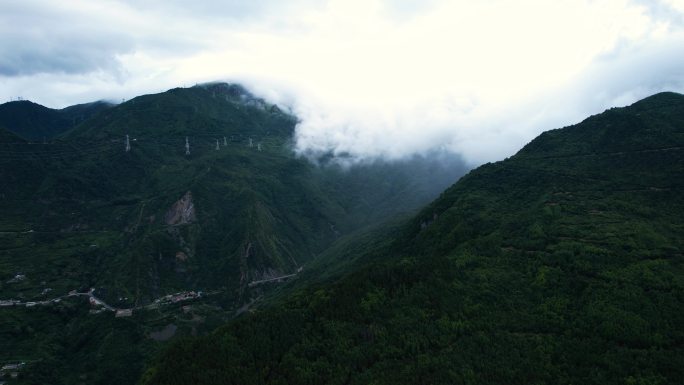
(367, 78)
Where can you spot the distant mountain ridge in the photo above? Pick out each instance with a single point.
(33, 121)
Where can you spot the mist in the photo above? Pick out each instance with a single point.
(367, 79)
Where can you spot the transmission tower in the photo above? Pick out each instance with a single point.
(187, 146)
(250, 143)
(225, 142)
(258, 146)
(217, 145)
(128, 144)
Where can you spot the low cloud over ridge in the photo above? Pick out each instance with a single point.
(367, 79)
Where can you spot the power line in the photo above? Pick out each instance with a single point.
(61, 149)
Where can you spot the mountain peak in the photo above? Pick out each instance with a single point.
(237, 93)
(649, 124)
(211, 110)
(231, 89)
(661, 99)
(20, 102)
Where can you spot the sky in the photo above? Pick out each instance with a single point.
(369, 78)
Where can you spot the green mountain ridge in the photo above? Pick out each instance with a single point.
(562, 264)
(33, 121)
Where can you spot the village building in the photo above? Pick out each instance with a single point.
(12, 369)
(17, 278)
(94, 302)
(123, 313)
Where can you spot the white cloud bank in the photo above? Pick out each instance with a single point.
(367, 78)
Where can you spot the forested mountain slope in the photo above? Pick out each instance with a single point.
(560, 265)
(175, 239)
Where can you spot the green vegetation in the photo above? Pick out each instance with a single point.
(560, 265)
(79, 212)
(32, 121)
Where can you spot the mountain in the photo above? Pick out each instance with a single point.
(32, 121)
(176, 240)
(9, 137)
(562, 264)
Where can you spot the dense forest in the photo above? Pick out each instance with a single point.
(560, 265)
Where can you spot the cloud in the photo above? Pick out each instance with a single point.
(32, 42)
(233, 11)
(80, 37)
(368, 79)
(478, 80)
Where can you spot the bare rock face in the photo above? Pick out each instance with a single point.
(182, 212)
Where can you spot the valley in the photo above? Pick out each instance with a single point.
(561, 264)
(177, 238)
